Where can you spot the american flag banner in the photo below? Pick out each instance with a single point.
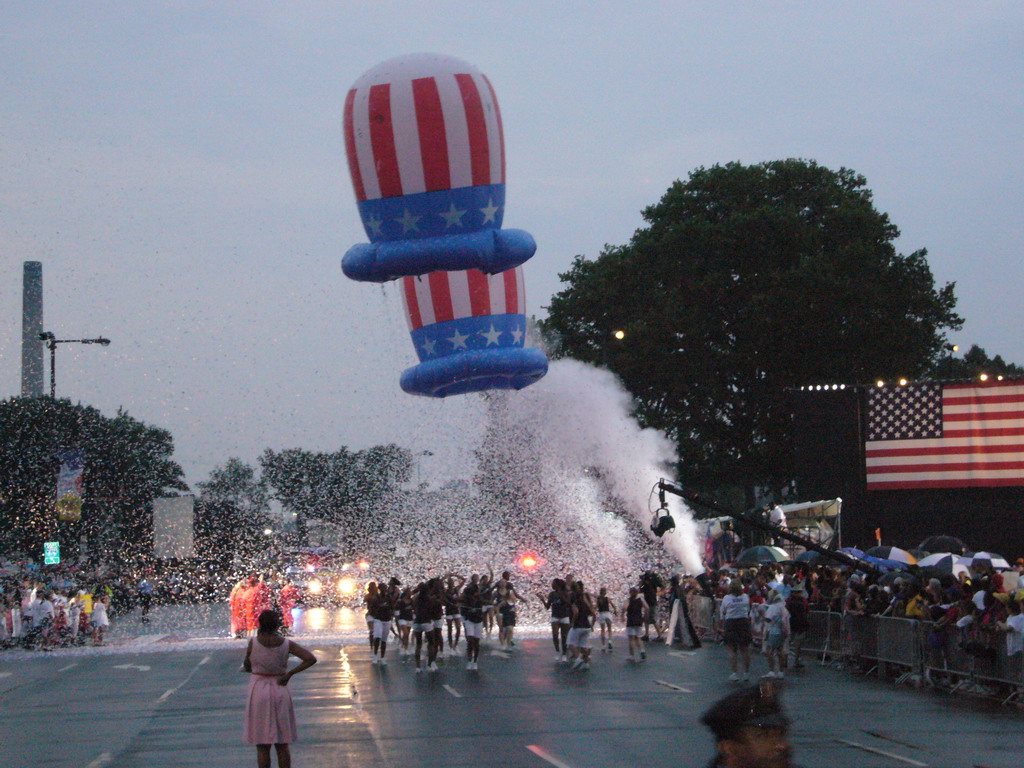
(933, 435)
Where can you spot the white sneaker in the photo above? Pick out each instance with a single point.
(564, 658)
(433, 666)
(768, 674)
(734, 677)
(373, 660)
(558, 657)
(576, 662)
(418, 669)
(383, 663)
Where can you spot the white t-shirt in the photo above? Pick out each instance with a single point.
(41, 609)
(777, 516)
(1015, 635)
(776, 617)
(735, 607)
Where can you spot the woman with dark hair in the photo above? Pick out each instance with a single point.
(557, 601)
(369, 601)
(269, 715)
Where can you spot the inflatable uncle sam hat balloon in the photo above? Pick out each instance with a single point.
(426, 154)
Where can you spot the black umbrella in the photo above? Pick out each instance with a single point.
(943, 544)
(810, 557)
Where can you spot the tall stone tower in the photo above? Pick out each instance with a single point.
(31, 327)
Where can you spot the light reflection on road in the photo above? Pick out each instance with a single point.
(315, 620)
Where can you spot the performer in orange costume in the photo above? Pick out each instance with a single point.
(287, 599)
(261, 598)
(235, 601)
(247, 601)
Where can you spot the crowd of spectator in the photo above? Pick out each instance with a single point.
(976, 612)
(44, 607)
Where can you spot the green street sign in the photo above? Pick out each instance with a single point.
(51, 553)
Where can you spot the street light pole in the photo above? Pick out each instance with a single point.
(51, 344)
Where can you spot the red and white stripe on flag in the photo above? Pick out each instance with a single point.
(981, 442)
(433, 124)
(438, 297)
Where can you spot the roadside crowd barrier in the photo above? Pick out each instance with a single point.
(899, 648)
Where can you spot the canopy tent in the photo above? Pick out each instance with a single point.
(817, 520)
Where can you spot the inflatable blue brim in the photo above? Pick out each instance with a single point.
(489, 250)
(476, 371)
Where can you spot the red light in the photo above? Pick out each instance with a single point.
(529, 561)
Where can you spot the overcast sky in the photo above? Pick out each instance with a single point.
(179, 169)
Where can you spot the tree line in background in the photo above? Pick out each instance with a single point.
(745, 282)
(128, 464)
(343, 490)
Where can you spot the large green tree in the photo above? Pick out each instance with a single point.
(342, 488)
(747, 280)
(127, 465)
(233, 511)
(975, 363)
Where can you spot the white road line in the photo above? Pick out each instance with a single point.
(100, 761)
(452, 691)
(5, 674)
(673, 686)
(543, 754)
(171, 691)
(502, 654)
(887, 737)
(682, 654)
(883, 753)
(69, 666)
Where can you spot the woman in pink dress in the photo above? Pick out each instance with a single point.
(269, 716)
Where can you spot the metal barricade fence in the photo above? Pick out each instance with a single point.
(968, 667)
(823, 634)
(703, 614)
(894, 642)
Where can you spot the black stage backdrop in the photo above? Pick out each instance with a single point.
(829, 435)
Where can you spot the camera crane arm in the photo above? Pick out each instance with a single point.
(762, 525)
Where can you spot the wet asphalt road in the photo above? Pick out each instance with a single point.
(184, 707)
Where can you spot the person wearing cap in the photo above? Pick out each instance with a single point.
(750, 729)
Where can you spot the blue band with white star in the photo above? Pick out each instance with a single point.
(476, 370)
(489, 250)
(469, 333)
(431, 214)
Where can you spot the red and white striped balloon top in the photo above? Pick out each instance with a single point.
(422, 123)
(438, 297)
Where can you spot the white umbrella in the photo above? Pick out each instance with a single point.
(990, 560)
(945, 562)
